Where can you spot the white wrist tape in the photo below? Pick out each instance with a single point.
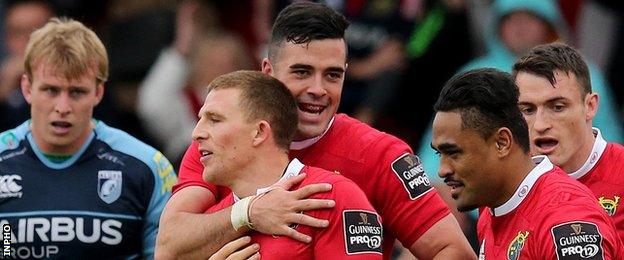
(240, 213)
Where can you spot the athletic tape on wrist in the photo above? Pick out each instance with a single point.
(239, 215)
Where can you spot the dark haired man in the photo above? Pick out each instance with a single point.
(557, 102)
(246, 125)
(308, 54)
(531, 209)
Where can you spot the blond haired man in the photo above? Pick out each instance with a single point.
(71, 186)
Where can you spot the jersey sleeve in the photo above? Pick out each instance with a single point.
(581, 233)
(164, 178)
(355, 229)
(407, 202)
(191, 171)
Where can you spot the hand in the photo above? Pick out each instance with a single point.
(10, 73)
(234, 250)
(274, 212)
(186, 29)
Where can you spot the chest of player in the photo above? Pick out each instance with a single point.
(95, 206)
(507, 238)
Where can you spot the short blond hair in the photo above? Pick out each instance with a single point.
(69, 46)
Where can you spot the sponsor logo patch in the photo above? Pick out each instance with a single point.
(516, 245)
(10, 186)
(410, 171)
(609, 205)
(577, 240)
(109, 185)
(362, 232)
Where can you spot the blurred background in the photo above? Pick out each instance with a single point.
(164, 52)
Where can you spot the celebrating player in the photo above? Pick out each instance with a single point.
(532, 209)
(307, 53)
(246, 125)
(557, 102)
(71, 186)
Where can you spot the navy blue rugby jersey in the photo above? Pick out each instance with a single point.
(103, 202)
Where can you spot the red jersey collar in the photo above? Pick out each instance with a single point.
(599, 147)
(542, 166)
(309, 142)
(293, 169)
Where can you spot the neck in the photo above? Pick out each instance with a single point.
(580, 156)
(513, 173)
(263, 171)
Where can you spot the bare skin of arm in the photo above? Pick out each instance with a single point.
(186, 232)
(444, 240)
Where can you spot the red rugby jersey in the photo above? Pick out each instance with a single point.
(603, 174)
(380, 164)
(354, 229)
(551, 216)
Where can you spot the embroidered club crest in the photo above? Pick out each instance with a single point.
(109, 185)
(513, 252)
(610, 205)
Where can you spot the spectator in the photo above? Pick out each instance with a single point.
(200, 53)
(20, 19)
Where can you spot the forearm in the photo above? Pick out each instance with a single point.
(444, 240)
(189, 235)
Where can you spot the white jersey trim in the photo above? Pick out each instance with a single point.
(543, 165)
(293, 169)
(600, 145)
(300, 145)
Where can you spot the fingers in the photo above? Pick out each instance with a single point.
(290, 182)
(314, 204)
(230, 248)
(255, 256)
(303, 219)
(308, 190)
(245, 253)
(294, 234)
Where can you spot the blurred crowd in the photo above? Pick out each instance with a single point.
(164, 52)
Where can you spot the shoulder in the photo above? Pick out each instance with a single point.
(124, 143)
(10, 139)
(361, 139)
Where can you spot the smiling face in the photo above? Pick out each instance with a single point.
(467, 162)
(314, 73)
(224, 136)
(61, 109)
(559, 117)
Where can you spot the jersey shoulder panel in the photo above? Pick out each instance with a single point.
(10, 139)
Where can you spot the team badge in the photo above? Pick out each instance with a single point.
(362, 232)
(610, 205)
(109, 185)
(513, 252)
(577, 240)
(411, 173)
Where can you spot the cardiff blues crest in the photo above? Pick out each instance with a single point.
(109, 185)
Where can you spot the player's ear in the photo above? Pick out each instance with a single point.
(261, 133)
(26, 86)
(267, 67)
(503, 139)
(591, 106)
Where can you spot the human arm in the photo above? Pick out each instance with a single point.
(187, 231)
(437, 234)
(576, 231)
(355, 229)
(163, 179)
(444, 240)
